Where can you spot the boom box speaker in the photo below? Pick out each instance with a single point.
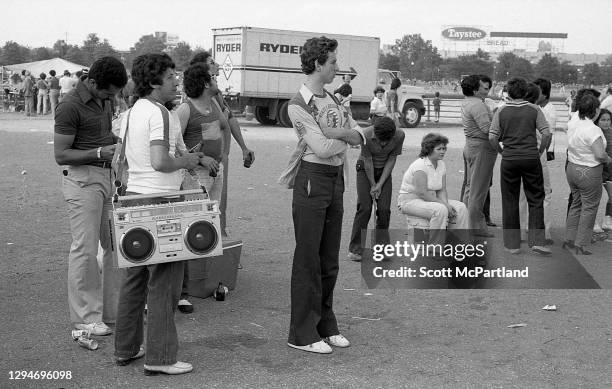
(148, 234)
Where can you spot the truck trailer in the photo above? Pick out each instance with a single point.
(260, 71)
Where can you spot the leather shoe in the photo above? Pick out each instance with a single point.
(319, 347)
(491, 224)
(185, 306)
(126, 361)
(338, 341)
(177, 368)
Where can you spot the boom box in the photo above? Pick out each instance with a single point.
(148, 234)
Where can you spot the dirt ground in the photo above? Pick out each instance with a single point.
(400, 337)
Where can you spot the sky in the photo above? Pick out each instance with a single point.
(123, 22)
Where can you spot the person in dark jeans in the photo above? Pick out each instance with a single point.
(325, 130)
(515, 125)
(374, 166)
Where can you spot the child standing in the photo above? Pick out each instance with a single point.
(436, 103)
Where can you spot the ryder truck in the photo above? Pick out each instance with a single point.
(260, 70)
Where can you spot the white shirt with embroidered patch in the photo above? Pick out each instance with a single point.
(146, 129)
(326, 114)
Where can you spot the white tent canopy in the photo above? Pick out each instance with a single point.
(37, 67)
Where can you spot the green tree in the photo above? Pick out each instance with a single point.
(510, 65)
(89, 47)
(42, 53)
(181, 54)
(13, 52)
(468, 64)
(591, 73)
(388, 61)
(148, 44)
(105, 49)
(549, 67)
(417, 57)
(60, 48)
(74, 54)
(568, 73)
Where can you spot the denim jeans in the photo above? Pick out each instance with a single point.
(512, 172)
(159, 286)
(317, 219)
(585, 184)
(364, 208)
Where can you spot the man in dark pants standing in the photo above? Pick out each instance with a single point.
(515, 125)
(325, 129)
(374, 167)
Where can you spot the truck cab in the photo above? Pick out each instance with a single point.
(410, 98)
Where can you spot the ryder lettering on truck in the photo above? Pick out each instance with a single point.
(228, 47)
(278, 48)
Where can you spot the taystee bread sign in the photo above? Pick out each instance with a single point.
(463, 33)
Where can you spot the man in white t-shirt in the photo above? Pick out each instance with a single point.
(153, 147)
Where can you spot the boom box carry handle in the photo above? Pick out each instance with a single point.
(173, 193)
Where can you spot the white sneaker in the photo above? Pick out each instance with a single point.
(597, 228)
(319, 347)
(354, 257)
(607, 223)
(338, 341)
(99, 329)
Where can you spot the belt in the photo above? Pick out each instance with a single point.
(102, 164)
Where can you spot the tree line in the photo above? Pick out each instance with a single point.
(418, 59)
(94, 47)
(414, 56)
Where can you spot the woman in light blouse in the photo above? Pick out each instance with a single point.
(423, 190)
(586, 156)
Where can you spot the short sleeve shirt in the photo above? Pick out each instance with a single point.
(146, 128)
(435, 176)
(80, 115)
(581, 134)
(379, 153)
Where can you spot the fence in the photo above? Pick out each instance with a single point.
(450, 111)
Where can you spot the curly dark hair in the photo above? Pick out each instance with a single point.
(315, 51)
(107, 71)
(42, 76)
(582, 92)
(544, 85)
(148, 69)
(517, 88)
(52, 73)
(470, 84)
(395, 83)
(587, 106)
(602, 112)
(384, 128)
(195, 78)
(533, 93)
(378, 89)
(200, 57)
(430, 142)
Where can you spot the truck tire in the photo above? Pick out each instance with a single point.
(283, 115)
(411, 115)
(261, 114)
